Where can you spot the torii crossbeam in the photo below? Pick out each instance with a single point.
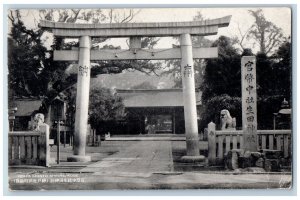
(160, 29)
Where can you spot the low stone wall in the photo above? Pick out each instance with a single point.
(221, 142)
(29, 147)
(264, 160)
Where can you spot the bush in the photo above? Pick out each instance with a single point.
(266, 106)
(213, 107)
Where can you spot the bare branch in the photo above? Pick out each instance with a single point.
(40, 14)
(18, 14)
(11, 17)
(76, 14)
(110, 15)
(243, 35)
(128, 17)
(36, 22)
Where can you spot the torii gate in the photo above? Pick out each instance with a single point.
(135, 31)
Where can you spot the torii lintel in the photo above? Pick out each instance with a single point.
(159, 29)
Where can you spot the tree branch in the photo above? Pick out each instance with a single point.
(128, 17)
(243, 36)
(76, 14)
(11, 17)
(110, 16)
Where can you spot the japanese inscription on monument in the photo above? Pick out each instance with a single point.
(83, 70)
(249, 102)
(188, 71)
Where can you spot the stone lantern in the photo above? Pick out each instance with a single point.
(282, 119)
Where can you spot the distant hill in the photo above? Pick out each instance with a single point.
(128, 79)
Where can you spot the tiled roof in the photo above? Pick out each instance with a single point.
(27, 107)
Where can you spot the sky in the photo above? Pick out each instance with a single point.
(241, 18)
(280, 16)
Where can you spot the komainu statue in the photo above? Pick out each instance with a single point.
(227, 122)
(37, 121)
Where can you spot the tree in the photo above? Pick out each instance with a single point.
(89, 15)
(214, 105)
(241, 37)
(105, 109)
(200, 41)
(104, 16)
(27, 57)
(32, 71)
(117, 66)
(274, 73)
(266, 33)
(221, 84)
(222, 74)
(273, 83)
(283, 66)
(173, 67)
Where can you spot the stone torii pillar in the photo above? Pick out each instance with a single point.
(189, 99)
(82, 101)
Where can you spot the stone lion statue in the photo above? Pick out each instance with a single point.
(37, 121)
(227, 122)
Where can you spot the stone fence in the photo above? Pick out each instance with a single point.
(29, 147)
(221, 142)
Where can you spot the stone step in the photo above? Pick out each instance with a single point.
(64, 164)
(148, 138)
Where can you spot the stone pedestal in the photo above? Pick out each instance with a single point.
(82, 101)
(189, 97)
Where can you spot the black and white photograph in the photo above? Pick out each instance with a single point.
(149, 98)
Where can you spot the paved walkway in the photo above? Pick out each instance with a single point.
(137, 165)
(148, 137)
(143, 157)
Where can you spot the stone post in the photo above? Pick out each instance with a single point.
(211, 129)
(82, 101)
(44, 148)
(249, 102)
(189, 96)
